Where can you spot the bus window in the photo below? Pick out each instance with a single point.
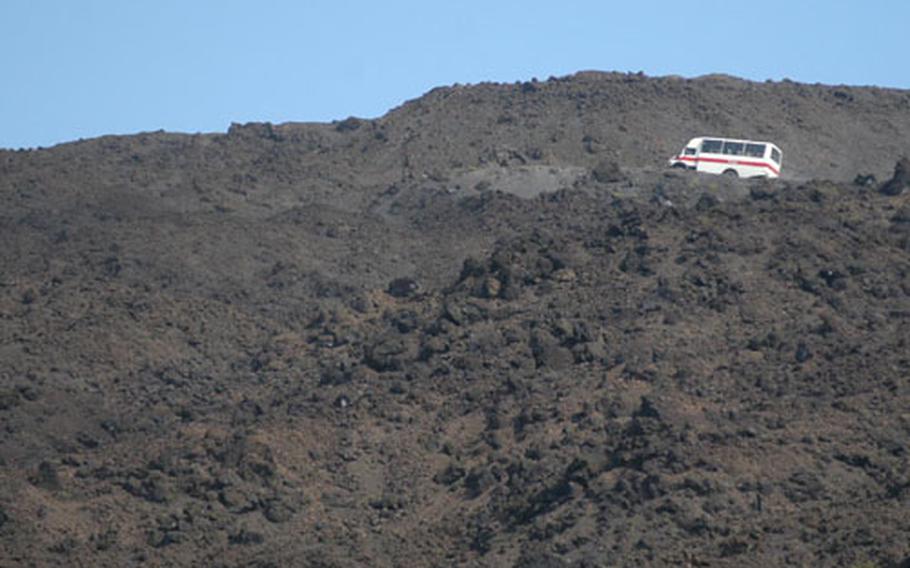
(690, 151)
(711, 146)
(775, 155)
(733, 148)
(755, 150)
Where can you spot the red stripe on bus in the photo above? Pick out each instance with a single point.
(734, 162)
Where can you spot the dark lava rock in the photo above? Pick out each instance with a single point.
(706, 201)
(900, 181)
(154, 488)
(261, 130)
(449, 475)
(549, 352)
(405, 321)
(538, 559)
(46, 477)
(867, 180)
(471, 268)
(901, 220)
(647, 409)
(161, 538)
(544, 501)
(275, 511)
(9, 399)
(403, 287)
(464, 313)
(237, 500)
(802, 353)
(478, 481)
(386, 354)
(607, 171)
(491, 288)
(246, 537)
(349, 124)
(87, 440)
(762, 194)
(833, 278)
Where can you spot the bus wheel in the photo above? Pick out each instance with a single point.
(680, 166)
(731, 173)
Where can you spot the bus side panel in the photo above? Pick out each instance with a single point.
(710, 166)
(755, 171)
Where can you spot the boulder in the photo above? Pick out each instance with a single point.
(705, 202)
(900, 181)
(46, 477)
(390, 352)
(275, 511)
(865, 180)
(901, 219)
(607, 171)
(548, 351)
(402, 287)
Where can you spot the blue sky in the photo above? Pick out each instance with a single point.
(82, 68)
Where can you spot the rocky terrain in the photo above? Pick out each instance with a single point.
(487, 329)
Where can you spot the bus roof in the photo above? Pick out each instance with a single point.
(743, 140)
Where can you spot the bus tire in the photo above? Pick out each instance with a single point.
(680, 166)
(731, 173)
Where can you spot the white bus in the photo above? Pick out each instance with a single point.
(731, 157)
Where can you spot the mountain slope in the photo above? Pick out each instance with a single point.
(488, 328)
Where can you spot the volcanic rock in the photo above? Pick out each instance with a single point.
(900, 181)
